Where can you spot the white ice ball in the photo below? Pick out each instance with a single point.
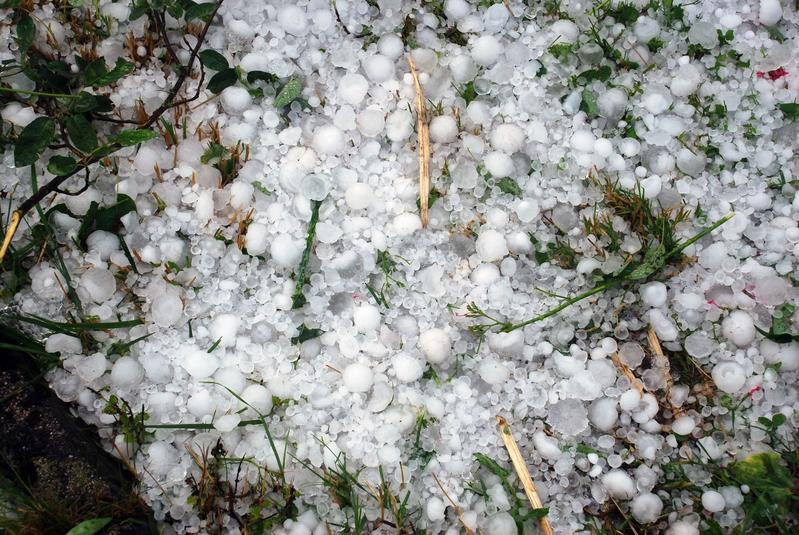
(436, 345)
(508, 138)
(366, 318)
(224, 327)
(443, 129)
(498, 164)
(256, 239)
(99, 283)
(646, 507)
(491, 245)
(729, 376)
(486, 50)
(713, 501)
(683, 425)
(199, 363)
(619, 484)
(166, 308)
(358, 377)
(258, 397)
(492, 371)
(358, 196)
(739, 328)
(328, 139)
(352, 88)
(126, 372)
(378, 68)
(407, 368)
(285, 251)
(293, 20)
(235, 99)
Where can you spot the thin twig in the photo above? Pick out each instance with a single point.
(521, 471)
(628, 373)
(455, 506)
(663, 362)
(423, 134)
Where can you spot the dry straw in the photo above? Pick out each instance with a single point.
(423, 133)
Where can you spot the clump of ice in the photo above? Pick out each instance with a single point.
(729, 377)
(436, 345)
(358, 377)
(619, 484)
(568, 417)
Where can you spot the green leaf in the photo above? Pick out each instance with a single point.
(509, 186)
(654, 259)
(81, 133)
(32, 141)
(782, 324)
(61, 165)
(305, 334)
(106, 218)
(289, 93)
(86, 102)
(790, 110)
(128, 138)
(602, 74)
(26, 32)
(97, 74)
(199, 11)
(491, 465)
(213, 60)
(221, 80)
(263, 76)
(213, 153)
(589, 104)
(137, 12)
(90, 527)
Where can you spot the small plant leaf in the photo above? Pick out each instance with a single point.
(86, 102)
(81, 133)
(263, 76)
(222, 80)
(199, 11)
(26, 32)
(97, 74)
(32, 141)
(305, 334)
(213, 60)
(61, 165)
(128, 138)
(589, 103)
(289, 93)
(106, 218)
(790, 110)
(509, 186)
(491, 465)
(90, 527)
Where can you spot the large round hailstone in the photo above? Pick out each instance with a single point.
(500, 523)
(224, 328)
(704, 34)
(443, 129)
(352, 88)
(256, 239)
(691, 162)
(646, 29)
(508, 138)
(457, 9)
(407, 223)
(285, 251)
(227, 423)
(235, 99)
(200, 363)
(546, 446)
(646, 507)
(739, 328)
(166, 308)
(493, 371)
(91, 367)
(507, 344)
(145, 161)
(498, 164)
(399, 125)
(583, 141)
(565, 30)
(463, 68)
(436, 345)
(407, 369)
(686, 81)
(568, 417)
(603, 414)
(654, 294)
(358, 377)
(389, 454)
(729, 376)
(358, 196)
(258, 398)
(328, 139)
(771, 290)
(770, 12)
(527, 210)
(391, 45)
(201, 404)
(619, 484)
(99, 283)
(293, 20)
(378, 68)
(371, 122)
(486, 50)
(682, 527)
(491, 245)
(435, 509)
(45, 284)
(126, 372)
(366, 318)
(683, 425)
(713, 501)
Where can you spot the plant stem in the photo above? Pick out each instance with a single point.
(198, 426)
(564, 304)
(699, 235)
(35, 93)
(297, 298)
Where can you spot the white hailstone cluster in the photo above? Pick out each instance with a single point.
(221, 341)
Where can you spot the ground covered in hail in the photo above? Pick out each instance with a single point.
(298, 300)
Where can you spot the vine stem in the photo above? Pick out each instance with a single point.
(35, 93)
(53, 185)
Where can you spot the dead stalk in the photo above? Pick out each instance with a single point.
(423, 134)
